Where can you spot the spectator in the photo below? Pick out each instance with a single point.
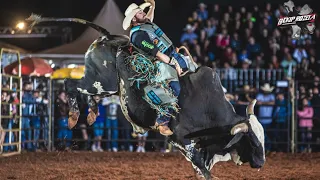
(27, 100)
(266, 100)
(280, 115)
(112, 104)
(300, 53)
(202, 12)
(253, 48)
(305, 124)
(64, 133)
(223, 39)
(36, 123)
(244, 97)
(314, 66)
(189, 35)
(216, 11)
(98, 128)
(315, 101)
(287, 64)
(258, 63)
(142, 142)
(236, 43)
(210, 28)
(274, 61)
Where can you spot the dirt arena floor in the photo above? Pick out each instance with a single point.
(153, 166)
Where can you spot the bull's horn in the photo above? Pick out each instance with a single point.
(243, 127)
(250, 107)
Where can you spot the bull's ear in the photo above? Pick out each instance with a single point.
(239, 128)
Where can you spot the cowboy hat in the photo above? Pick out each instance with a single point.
(188, 27)
(202, 5)
(267, 88)
(131, 11)
(246, 60)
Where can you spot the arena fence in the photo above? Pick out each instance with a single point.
(283, 136)
(232, 79)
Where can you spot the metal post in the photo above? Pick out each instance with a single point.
(20, 104)
(293, 122)
(50, 116)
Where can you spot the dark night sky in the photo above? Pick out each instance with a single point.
(168, 13)
(11, 11)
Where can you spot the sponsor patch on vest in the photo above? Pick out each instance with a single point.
(156, 41)
(147, 45)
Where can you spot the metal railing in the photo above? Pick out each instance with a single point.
(232, 79)
(290, 130)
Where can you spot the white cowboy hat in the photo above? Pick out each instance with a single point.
(267, 88)
(246, 60)
(188, 27)
(202, 5)
(131, 11)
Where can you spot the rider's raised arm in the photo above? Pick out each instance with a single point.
(150, 14)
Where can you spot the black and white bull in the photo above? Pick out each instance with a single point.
(206, 130)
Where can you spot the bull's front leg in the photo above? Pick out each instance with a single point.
(194, 156)
(74, 112)
(93, 110)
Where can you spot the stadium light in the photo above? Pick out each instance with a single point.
(21, 25)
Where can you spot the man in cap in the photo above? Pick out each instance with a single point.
(148, 37)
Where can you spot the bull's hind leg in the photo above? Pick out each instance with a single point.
(74, 112)
(93, 110)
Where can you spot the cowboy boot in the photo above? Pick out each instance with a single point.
(74, 112)
(93, 110)
(164, 129)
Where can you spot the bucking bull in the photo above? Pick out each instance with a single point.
(206, 130)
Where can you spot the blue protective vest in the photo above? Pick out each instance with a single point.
(156, 35)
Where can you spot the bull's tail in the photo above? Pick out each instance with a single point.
(35, 19)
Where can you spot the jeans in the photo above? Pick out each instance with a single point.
(36, 124)
(112, 132)
(64, 132)
(281, 136)
(175, 86)
(8, 134)
(26, 133)
(98, 128)
(180, 60)
(126, 135)
(267, 139)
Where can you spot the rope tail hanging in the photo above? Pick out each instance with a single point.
(35, 19)
(147, 71)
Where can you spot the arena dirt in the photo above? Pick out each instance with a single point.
(153, 166)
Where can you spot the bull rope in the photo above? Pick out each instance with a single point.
(147, 71)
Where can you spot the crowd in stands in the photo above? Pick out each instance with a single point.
(248, 38)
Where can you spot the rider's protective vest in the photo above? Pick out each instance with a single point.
(156, 35)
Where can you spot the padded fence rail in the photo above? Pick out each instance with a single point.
(10, 110)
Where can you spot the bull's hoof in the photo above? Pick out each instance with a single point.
(73, 119)
(200, 176)
(92, 116)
